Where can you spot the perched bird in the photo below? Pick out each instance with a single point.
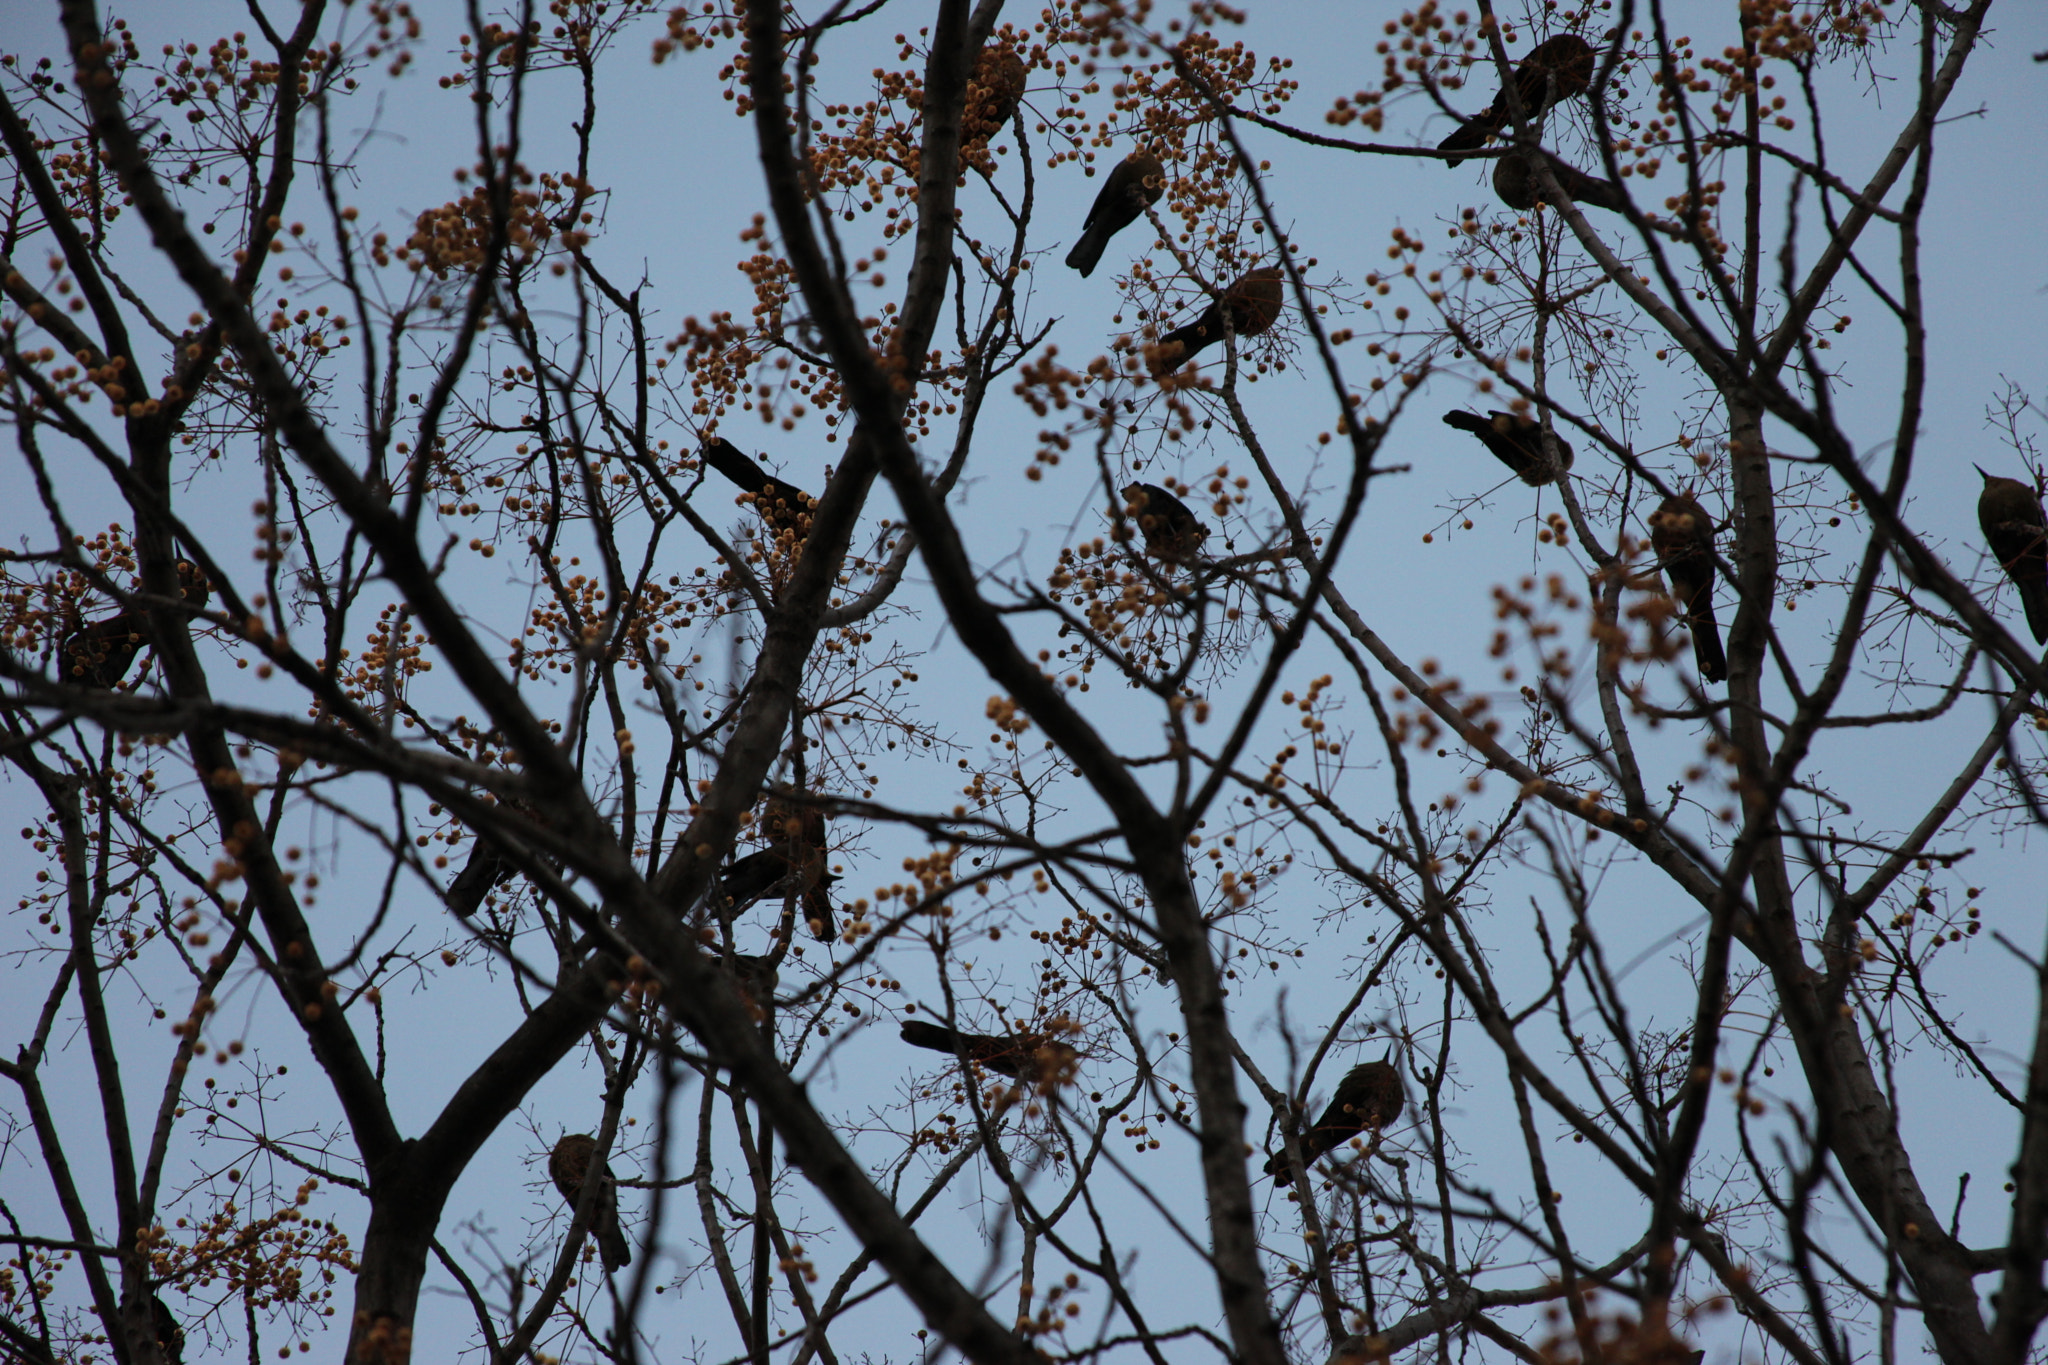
(1369, 1096)
(795, 860)
(1682, 534)
(1134, 186)
(2014, 528)
(99, 654)
(170, 1338)
(781, 505)
(1171, 530)
(487, 869)
(993, 93)
(1557, 69)
(1254, 301)
(1515, 441)
(1514, 180)
(1020, 1056)
(570, 1164)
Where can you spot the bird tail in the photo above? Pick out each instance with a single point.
(486, 867)
(818, 910)
(612, 1247)
(1706, 640)
(1087, 253)
(1589, 190)
(918, 1033)
(2034, 597)
(1470, 136)
(1183, 344)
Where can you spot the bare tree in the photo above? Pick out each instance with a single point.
(554, 729)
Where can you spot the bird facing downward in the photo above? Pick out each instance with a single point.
(2017, 532)
(1682, 534)
(1132, 187)
(1515, 441)
(1254, 301)
(1171, 530)
(570, 1166)
(1555, 70)
(1370, 1096)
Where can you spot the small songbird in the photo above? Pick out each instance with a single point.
(1682, 534)
(100, 654)
(1020, 1056)
(794, 860)
(1555, 70)
(1515, 441)
(1134, 186)
(1370, 1096)
(2014, 528)
(1255, 302)
(569, 1164)
(993, 93)
(1514, 180)
(783, 506)
(1171, 530)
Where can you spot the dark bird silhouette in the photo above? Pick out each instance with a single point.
(569, 1164)
(1254, 307)
(1020, 1056)
(993, 94)
(1369, 1096)
(487, 869)
(1515, 441)
(1171, 530)
(783, 506)
(170, 1338)
(1514, 180)
(794, 860)
(1555, 70)
(2014, 528)
(99, 654)
(1682, 534)
(1134, 186)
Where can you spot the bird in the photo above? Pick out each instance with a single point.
(1132, 187)
(1515, 441)
(569, 1164)
(993, 93)
(1514, 180)
(1254, 307)
(1171, 530)
(487, 869)
(795, 860)
(783, 506)
(170, 1338)
(99, 654)
(1369, 1096)
(1020, 1056)
(1555, 70)
(1682, 534)
(2014, 528)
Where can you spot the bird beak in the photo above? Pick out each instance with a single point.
(1980, 469)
